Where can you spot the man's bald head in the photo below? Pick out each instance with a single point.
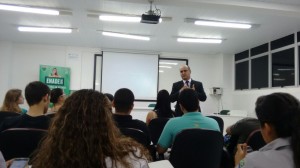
(185, 72)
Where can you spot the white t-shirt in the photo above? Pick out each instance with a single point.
(135, 162)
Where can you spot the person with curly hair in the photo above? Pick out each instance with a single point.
(13, 98)
(83, 134)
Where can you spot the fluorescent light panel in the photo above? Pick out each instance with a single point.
(44, 30)
(168, 63)
(222, 24)
(135, 37)
(28, 9)
(161, 71)
(120, 18)
(165, 67)
(115, 18)
(194, 40)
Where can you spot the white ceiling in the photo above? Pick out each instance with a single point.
(275, 19)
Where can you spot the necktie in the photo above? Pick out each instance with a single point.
(187, 83)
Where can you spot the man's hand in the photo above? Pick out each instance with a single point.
(183, 87)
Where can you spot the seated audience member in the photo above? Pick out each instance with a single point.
(162, 108)
(240, 131)
(83, 134)
(37, 97)
(12, 100)
(192, 118)
(123, 104)
(111, 98)
(57, 97)
(279, 116)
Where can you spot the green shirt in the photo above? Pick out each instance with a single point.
(188, 120)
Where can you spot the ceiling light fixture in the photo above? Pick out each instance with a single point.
(199, 40)
(165, 67)
(119, 18)
(222, 24)
(135, 37)
(44, 29)
(28, 9)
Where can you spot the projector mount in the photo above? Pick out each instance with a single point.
(156, 12)
(152, 16)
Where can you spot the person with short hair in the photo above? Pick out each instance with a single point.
(123, 103)
(37, 97)
(279, 116)
(83, 134)
(186, 82)
(13, 98)
(192, 118)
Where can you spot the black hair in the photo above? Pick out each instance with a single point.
(35, 91)
(163, 104)
(123, 100)
(109, 96)
(188, 98)
(55, 94)
(282, 111)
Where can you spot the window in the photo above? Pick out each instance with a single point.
(242, 75)
(283, 68)
(260, 72)
(259, 49)
(284, 41)
(242, 55)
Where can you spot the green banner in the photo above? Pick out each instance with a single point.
(56, 77)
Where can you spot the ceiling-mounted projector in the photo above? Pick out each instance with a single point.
(150, 19)
(152, 16)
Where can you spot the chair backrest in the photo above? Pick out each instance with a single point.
(219, 121)
(20, 142)
(194, 148)
(156, 127)
(51, 115)
(4, 114)
(136, 134)
(255, 140)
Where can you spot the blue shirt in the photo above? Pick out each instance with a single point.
(188, 120)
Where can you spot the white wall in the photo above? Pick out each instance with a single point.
(20, 65)
(5, 68)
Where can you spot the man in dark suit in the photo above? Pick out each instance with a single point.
(186, 82)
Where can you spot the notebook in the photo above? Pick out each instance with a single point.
(160, 164)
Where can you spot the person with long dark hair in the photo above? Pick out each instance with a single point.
(162, 108)
(57, 98)
(279, 116)
(83, 134)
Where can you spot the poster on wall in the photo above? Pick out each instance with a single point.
(56, 77)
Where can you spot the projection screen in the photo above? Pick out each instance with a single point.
(137, 72)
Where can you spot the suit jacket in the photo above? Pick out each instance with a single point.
(175, 93)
